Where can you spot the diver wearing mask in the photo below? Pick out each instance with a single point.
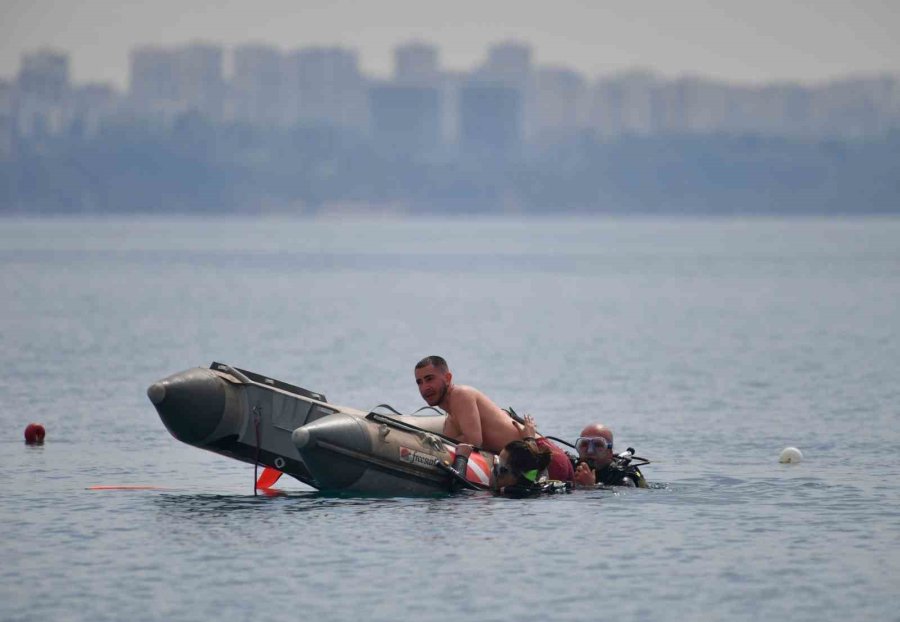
(518, 471)
(597, 464)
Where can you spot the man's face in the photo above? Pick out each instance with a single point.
(594, 450)
(432, 384)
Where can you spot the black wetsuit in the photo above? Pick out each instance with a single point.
(528, 489)
(615, 475)
(522, 488)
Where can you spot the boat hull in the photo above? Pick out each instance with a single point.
(260, 420)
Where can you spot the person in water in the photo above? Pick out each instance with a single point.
(474, 419)
(597, 464)
(519, 470)
(560, 467)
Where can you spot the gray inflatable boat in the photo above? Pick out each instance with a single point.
(288, 429)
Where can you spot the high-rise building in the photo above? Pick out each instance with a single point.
(257, 91)
(624, 104)
(795, 110)
(165, 82)
(42, 89)
(490, 120)
(44, 75)
(450, 85)
(153, 81)
(560, 103)
(416, 64)
(324, 87)
(856, 106)
(508, 63)
(90, 106)
(7, 121)
(201, 87)
(692, 105)
(782, 110)
(406, 118)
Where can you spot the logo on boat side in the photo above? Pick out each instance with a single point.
(416, 457)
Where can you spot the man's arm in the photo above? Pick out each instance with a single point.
(450, 428)
(466, 417)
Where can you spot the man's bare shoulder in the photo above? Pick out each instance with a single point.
(461, 395)
(462, 389)
(466, 394)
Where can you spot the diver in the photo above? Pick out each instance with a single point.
(520, 470)
(597, 464)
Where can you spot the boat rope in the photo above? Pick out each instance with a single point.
(256, 458)
(390, 408)
(400, 414)
(559, 440)
(518, 419)
(409, 427)
(458, 477)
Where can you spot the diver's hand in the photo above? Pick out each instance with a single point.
(584, 475)
(464, 449)
(529, 429)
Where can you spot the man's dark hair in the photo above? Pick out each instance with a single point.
(438, 361)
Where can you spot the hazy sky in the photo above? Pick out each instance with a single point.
(748, 41)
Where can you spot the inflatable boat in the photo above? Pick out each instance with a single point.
(288, 429)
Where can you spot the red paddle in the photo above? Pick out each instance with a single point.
(268, 478)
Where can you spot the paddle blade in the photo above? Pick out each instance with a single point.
(268, 478)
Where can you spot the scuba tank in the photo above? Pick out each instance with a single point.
(541, 487)
(531, 484)
(622, 471)
(625, 466)
(457, 473)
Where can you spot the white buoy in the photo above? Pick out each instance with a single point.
(790, 455)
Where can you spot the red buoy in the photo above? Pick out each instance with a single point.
(34, 434)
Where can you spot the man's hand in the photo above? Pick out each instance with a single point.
(529, 429)
(584, 475)
(464, 449)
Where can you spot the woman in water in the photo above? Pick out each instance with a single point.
(519, 470)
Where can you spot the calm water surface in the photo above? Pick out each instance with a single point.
(707, 345)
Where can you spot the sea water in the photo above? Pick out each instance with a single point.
(707, 345)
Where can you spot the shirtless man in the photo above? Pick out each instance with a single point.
(471, 416)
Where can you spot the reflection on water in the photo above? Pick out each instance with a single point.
(235, 506)
(709, 346)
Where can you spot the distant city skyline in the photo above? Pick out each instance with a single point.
(730, 41)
